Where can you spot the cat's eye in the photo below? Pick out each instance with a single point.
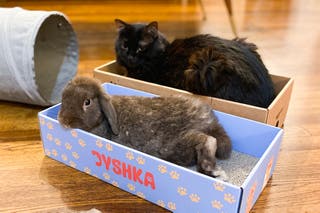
(140, 49)
(124, 45)
(86, 104)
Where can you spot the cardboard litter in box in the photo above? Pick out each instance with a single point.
(237, 167)
(173, 187)
(274, 115)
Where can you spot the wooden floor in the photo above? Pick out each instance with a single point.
(288, 35)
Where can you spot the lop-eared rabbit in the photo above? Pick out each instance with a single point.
(178, 129)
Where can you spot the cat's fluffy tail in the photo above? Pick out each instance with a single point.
(203, 71)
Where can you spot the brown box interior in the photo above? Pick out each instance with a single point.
(274, 115)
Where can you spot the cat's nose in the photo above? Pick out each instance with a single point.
(131, 59)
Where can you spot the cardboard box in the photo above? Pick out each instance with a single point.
(173, 187)
(274, 115)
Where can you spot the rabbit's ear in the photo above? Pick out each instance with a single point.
(109, 112)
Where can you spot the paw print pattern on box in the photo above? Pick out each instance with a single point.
(57, 141)
(161, 203)
(162, 169)
(109, 147)
(131, 187)
(141, 160)
(74, 133)
(182, 191)
(216, 204)
(174, 175)
(268, 172)
(99, 143)
(129, 155)
(194, 198)
(219, 187)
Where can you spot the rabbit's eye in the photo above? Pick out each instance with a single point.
(86, 103)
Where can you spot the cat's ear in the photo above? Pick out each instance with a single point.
(120, 24)
(152, 28)
(153, 25)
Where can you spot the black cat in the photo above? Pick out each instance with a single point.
(202, 64)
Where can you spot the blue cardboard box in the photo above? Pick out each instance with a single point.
(173, 187)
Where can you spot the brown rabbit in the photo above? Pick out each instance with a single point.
(181, 130)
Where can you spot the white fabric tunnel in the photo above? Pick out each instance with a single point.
(38, 55)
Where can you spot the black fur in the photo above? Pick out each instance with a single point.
(202, 64)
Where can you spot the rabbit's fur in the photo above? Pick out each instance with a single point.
(181, 130)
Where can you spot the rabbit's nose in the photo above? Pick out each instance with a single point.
(64, 121)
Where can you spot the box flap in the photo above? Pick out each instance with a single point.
(277, 110)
